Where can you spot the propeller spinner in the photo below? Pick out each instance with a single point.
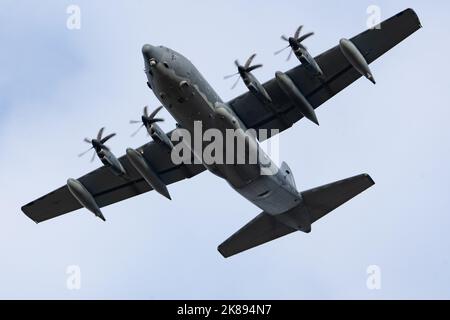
(244, 70)
(301, 52)
(295, 42)
(98, 143)
(147, 119)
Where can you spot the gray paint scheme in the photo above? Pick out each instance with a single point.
(188, 97)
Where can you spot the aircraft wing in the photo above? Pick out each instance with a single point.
(107, 188)
(338, 74)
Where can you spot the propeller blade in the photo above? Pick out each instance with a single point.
(146, 111)
(83, 153)
(87, 140)
(139, 129)
(256, 66)
(100, 133)
(153, 114)
(109, 136)
(289, 56)
(236, 83)
(231, 76)
(236, 63)
(105, 147)
(279, 51)
(306, 36)
(297, 32)
(283, 37)
(135, 121)
(249, 61)
(93, 156)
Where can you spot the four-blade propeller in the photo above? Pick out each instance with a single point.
(98, 143)
(146, 119)
(295, 42)
(244, 70)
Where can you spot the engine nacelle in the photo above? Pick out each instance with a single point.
(257, 89)
(297, 98)
(158, 135)
(110, 161)
(356, 59)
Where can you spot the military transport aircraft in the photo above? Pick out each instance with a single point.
(275, 104)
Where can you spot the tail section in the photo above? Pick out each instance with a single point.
(316, 203)
(287, 172)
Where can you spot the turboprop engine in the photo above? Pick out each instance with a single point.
(149, 121)
(250, 81)
(104, 153)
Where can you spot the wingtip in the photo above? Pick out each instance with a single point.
(414, 13)
(369, 178)
(28, 214)
(222, 252)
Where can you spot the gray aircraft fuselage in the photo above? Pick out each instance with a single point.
(188, 97)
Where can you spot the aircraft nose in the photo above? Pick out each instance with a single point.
(148, 51)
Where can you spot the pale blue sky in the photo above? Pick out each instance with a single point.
(58, 86)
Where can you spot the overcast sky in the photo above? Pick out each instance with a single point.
(59, 85)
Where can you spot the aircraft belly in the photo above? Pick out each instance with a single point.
(271, 194)
(189, 103)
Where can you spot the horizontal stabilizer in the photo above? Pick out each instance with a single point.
(262, 229)
(316, 204)
(324, 199)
